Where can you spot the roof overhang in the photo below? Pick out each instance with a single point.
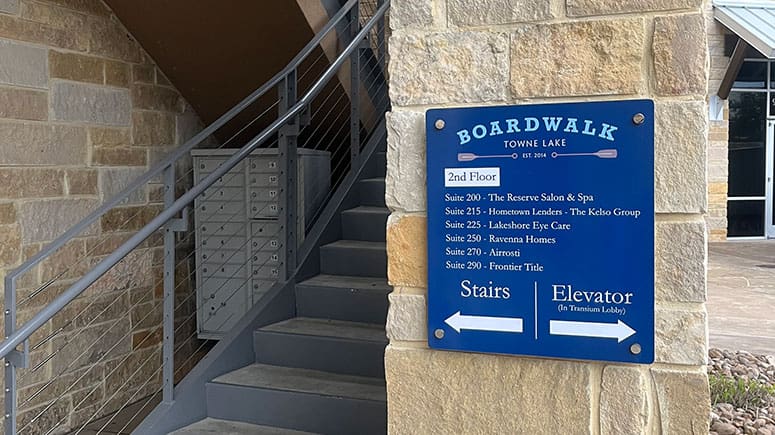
(753, 21)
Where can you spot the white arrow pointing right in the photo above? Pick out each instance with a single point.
(619, 330)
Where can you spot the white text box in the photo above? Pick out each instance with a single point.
(472, 177)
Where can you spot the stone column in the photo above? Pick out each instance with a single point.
(452, 53)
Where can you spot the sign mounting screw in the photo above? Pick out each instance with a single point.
(439, 124)
(635, 349)
(638, 118)
(439, 333)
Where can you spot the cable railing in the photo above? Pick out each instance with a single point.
(110, 315)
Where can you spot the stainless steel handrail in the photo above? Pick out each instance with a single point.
(50, 310)
(157, 169)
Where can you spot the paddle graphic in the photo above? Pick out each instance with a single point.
(470, 157)
(602, 154)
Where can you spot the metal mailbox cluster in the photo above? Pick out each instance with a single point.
(239, 237)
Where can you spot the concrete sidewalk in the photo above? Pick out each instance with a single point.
(741, 296)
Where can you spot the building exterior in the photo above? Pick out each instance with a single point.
(740, 168)
(86, 108)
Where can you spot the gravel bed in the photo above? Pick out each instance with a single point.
(725, 419)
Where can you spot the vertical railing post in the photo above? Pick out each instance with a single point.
(381, 47)
(355, 88)
(288, 156)
(10, 368)
(168, 326)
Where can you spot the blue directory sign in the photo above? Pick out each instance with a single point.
(541, 230)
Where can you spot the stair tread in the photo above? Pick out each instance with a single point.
(329, 328)
(371, 209)
(227, 427)
(306, 381)
(360, 244)
(347, 282)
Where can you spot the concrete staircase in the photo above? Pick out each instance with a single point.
(323, 370)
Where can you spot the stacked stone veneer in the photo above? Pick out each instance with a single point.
(718, 136)
(83, 111)
(448, 53)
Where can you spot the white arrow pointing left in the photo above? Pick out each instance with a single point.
(458, 321)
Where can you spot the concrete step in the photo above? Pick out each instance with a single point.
(212, 426)
(335, 346)
(300, 399)
(354, 258)
(371, 191)
(351, 298)
(365, 223)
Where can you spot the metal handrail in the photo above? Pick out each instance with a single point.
(157, 169)
(49, 311)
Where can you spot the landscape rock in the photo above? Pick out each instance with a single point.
(741, 365)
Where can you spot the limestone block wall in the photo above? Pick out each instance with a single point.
(447, 53)
(83, 111)
(718, 137)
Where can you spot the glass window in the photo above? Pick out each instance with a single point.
(746, 218)
(747, 144)
(753, 75)
(772, 77)
(772, 103)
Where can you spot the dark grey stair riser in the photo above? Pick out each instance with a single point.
(300, 411)
(353, 261)
(354, 305)
(328, 354)
(372, 192)
(369, 226)
(376, 167)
